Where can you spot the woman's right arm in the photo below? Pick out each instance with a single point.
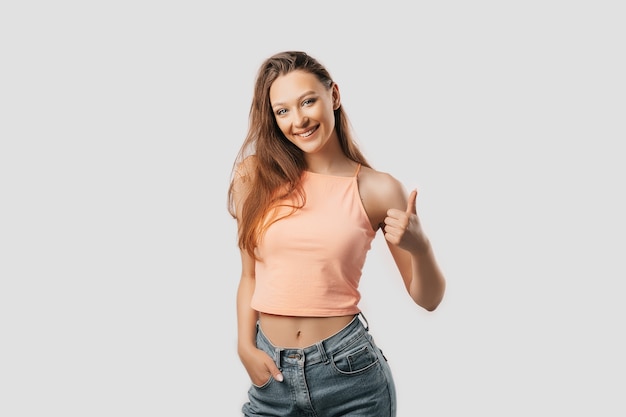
(258, 364)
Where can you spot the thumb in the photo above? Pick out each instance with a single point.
(278, 376)
(410, 208)
(270, 366)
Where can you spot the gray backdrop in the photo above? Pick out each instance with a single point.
(119, 122)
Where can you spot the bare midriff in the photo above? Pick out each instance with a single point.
(299, 332)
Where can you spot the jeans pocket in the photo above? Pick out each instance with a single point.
(355, 359)
(264, 385)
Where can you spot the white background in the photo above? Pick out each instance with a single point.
(120, 120)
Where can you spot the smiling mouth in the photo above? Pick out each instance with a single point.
(307, 133)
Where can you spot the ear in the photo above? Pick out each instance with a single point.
(336, 96)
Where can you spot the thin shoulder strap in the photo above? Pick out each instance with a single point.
(358, 168)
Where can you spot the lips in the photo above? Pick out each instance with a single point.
(307, 133)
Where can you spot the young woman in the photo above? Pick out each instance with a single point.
(308, 205)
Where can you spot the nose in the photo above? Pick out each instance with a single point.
(300, 119)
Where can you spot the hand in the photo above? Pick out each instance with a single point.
(403, 228)
(260, 366)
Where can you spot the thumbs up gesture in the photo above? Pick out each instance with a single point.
(403, 228)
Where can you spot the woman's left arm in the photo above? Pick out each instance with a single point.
(412, 251)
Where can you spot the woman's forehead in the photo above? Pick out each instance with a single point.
(293, 85)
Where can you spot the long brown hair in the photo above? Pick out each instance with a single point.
(268, 161)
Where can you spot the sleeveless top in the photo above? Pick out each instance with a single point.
(310, 262)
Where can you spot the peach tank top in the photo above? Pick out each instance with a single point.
(311, 261)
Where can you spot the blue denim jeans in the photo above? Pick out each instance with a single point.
(343, 375)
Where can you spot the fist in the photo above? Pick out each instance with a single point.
(402, 228)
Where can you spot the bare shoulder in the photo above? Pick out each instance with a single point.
(245, 169)
(244, 173)
(380, 191)
(242, 181)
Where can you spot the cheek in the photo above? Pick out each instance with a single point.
(327, 114)
(283, 126)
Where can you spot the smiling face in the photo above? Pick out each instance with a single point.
(304, 110)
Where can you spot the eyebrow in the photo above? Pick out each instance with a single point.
(298, 99)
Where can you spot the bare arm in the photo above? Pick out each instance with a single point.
(413, 254)
(258, 364)
(246, 316)
(389, 207)
(422, 275)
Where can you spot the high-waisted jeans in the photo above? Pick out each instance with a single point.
(343, 375)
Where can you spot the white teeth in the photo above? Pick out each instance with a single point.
(306, 134)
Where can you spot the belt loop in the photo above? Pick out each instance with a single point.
(364, 321)
(277, 355)
(322, 351)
